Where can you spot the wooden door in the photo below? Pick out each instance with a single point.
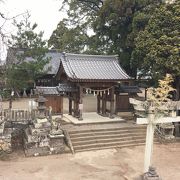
(122, 103)
(56, 102)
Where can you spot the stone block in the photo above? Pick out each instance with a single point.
(57, 150)
(56, 132)
(38, 120)
(40, 132)
(54, 142)
(38, 125)
(2, 128)
(40, 151)
(44, 142)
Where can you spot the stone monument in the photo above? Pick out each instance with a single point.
(43, 137)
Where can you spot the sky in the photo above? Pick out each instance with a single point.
(43, 12)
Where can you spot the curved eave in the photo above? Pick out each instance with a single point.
(99, 80)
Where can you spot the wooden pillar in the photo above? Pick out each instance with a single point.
(70, 104)
(145, 97)
(80, 102)
(112, 103)
(98, 103)
(104, 104)
(75, 105)
(116, 108)
(61, 99)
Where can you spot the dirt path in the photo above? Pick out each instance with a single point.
(111, 164)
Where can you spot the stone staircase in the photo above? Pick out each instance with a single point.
(104, 138)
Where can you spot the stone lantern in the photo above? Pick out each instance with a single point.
(41, 107)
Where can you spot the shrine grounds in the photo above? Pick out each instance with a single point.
(109, 164)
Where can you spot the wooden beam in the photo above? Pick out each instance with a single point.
(160, 120)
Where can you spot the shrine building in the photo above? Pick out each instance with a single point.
(93, 74)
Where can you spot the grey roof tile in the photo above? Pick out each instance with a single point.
(92, 67)
(54, 62)
(66, 88)
(46, 90)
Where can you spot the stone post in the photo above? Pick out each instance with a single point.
(149, 141)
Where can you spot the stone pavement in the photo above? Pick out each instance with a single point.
(91, 117)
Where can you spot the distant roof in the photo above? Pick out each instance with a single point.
(54, 61)
(53, 65)
(51, 68)
(82, 67)
(58, 90)
(46, 90)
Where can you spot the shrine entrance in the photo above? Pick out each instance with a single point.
(81, 74)
(104, 98)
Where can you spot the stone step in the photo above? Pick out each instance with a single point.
(108, 140)
(138, 128)
(108, 144)
(107, 136)
(130, 144)
(94, 138)
(105, 132)
(109, 147)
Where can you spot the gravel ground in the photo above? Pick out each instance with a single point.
(110, 164)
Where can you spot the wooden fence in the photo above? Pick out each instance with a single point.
(19, 115)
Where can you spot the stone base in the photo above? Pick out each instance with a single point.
(37, 151)
(57, 149)
(40, 144)
(5, 141)
(151, 174)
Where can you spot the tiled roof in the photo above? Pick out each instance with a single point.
(60, 89)
(81, 67)
(51, 68)
(66, 88)
(128, 89)
(53, 65)
(46, 90)
(54, 62)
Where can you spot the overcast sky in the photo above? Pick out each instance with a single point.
(44, 12)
